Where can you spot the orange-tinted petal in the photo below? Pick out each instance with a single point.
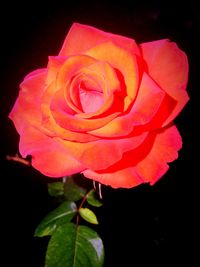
(82, 37)
(48, 156)
(69, 122)
(58, 104)
(65, 120)
(84, 85)
(27, 107)
(107, 80)
(55, 104)
(71, 67)
(168, 66)
(102, 153)
(53, 67)
(124, 62)
(73, 123)
(27, 110)
(147, 103)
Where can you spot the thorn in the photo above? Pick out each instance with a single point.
(99, 188)
(100, 194)
(94, 185)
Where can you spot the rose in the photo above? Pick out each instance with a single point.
(104, 107)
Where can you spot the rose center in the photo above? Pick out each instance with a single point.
(91, 98)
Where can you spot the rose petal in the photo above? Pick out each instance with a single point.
(82, 37)
(71, 67)
(165, 149)
(73, 123)
(105, 75)
(147, 103)
(102, 153)
(91, 100)
(51, 118)
(146, 163)
(48, 156)
(75, 90)
(181, 97)
(165, 109)
(53, 67)
(124, 62)
(168, 66)
(34, 73)
(27, 107)
(107, 80)
(126, 178)
(27, 110)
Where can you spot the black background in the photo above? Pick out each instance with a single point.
(144, 225)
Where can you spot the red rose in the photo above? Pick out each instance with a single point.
(104, 107)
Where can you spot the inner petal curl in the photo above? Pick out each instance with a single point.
(90, 98)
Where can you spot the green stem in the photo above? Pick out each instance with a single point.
(81, 205)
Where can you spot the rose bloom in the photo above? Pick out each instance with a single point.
(104, 107)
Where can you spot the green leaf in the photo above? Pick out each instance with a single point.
(56, 189)
(63, 214)
(73, 189)
(88, 215)
(74, 246)
(93, 200)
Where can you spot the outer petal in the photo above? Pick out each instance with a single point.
(27, 107)
(168, 66)
(154, 165)
(48, 156)
(101, 154)
(146, 163)
(126, 178)
(34, 73)
(82, 37)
